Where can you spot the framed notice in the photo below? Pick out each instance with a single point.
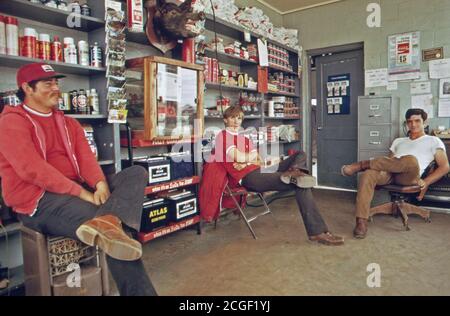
(404, 56)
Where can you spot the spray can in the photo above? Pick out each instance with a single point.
(96, 55)
(70, 51)
(83, 53)
(28, 43)
(56, 50)
(188, 50)
(44, 46)
(2, 35)
(12, 36)
(94, 102)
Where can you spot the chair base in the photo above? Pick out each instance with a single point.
(241, 212)
(401, 208)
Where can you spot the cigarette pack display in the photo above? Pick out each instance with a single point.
(158, 169)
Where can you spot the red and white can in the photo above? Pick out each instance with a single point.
(188, 50)
(56, 50)
(2, 35)
(28, 43)
(44, 46)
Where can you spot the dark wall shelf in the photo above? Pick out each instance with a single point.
(140, 38)
(65, 68)
(281, 118)
(275, 68)
(227, 87)
(88, 116)
(284, 94)
(44, 14)
(229, 59)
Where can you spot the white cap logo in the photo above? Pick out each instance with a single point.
(47, 68)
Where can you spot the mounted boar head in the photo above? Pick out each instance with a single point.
(168, 22)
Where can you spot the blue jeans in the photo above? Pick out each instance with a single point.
(61, 215)
(258, 181)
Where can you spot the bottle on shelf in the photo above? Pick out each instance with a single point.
(83, 107)
(94, 102)
(56, 50)
(2, 35)
(96, 55)
(83, 53)
(44, 46)
(70, 51)
(12, 36)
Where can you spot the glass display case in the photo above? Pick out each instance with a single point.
(165, 98)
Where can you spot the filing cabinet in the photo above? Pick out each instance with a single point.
(378, 125)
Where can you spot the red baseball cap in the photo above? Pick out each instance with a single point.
(36, 71)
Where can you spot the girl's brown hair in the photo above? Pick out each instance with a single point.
(233, 111)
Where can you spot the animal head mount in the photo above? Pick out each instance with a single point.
(168, 22)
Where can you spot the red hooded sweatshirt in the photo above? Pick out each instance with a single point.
(25, 173)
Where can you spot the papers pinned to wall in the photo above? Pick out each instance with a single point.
(440, 68)
(444, 108)
(424, 102)
(376, 78)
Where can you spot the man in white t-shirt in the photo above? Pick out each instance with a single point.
(409, 158)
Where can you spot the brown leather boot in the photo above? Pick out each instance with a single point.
(328, 239)
(107, 233)
(360, 230)
(350, 170)
(299, 178)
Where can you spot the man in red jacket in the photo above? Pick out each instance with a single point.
(51, 178)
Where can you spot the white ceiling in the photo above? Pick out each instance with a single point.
(289, 6)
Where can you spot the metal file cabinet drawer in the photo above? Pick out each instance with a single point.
(368, 155)
(374, 111)
(376, 138)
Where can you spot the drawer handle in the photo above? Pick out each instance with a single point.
(375, 143)
(375, 115)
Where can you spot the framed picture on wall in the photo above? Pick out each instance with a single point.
(444, 88)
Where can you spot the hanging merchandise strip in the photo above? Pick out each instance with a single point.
(115, 61)
(135, 16)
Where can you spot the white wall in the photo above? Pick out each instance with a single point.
(345, 22)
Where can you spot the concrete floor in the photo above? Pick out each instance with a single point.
(228, 261)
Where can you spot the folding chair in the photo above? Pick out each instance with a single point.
(241, 192)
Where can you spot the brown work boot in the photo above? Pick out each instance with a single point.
(328, 239)
(360, 230)
(350, 170)
(299, 178)
(107, 233)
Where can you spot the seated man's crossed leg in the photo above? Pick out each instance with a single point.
(379, 171)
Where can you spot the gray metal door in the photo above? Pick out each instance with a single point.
(337, 132)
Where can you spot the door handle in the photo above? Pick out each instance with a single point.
(375, 143)
(375, 115)
(319, 128)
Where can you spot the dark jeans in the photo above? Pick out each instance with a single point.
(263, 181)
(61, 215)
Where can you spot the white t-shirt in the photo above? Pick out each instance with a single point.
(423, 148)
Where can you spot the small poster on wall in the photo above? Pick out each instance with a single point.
(338, 95)
(444, 88)
(404, 56)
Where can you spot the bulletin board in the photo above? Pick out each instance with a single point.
(338, 95)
